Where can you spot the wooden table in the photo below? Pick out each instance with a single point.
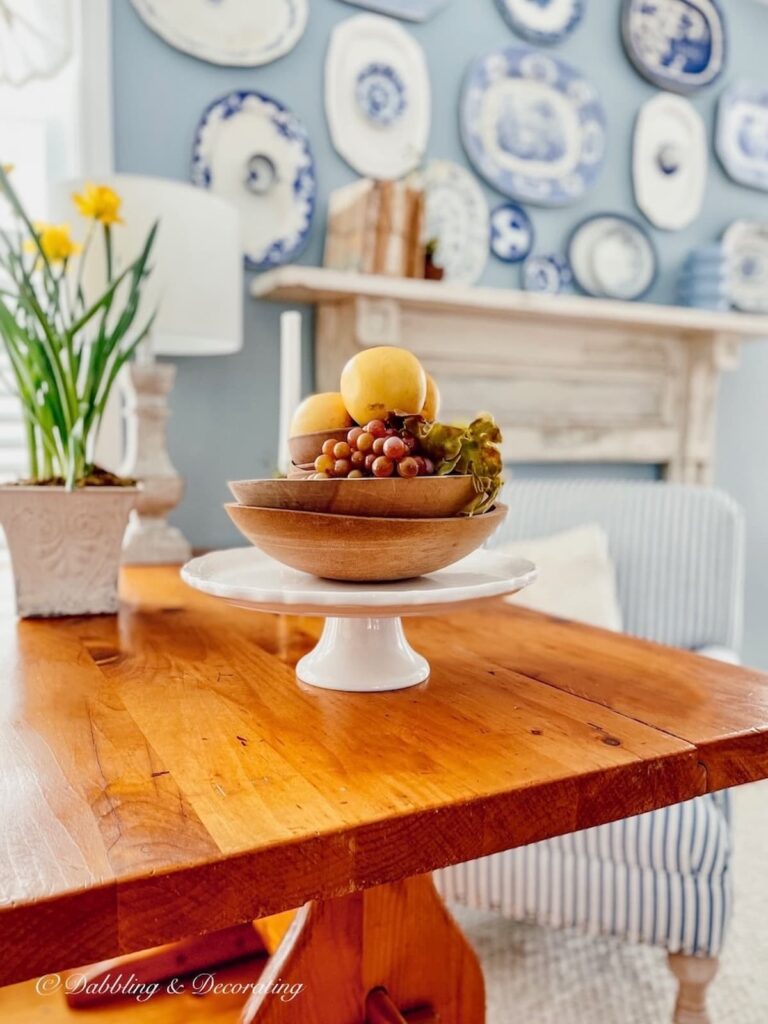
(162, 774)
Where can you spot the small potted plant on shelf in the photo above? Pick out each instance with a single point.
(432, 272)
(64, 524)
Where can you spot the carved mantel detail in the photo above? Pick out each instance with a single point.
(570, 379)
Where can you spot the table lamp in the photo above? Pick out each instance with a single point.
(196, 289)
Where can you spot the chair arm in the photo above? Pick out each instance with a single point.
(718, 653)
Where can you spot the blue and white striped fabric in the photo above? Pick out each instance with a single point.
(662, 877)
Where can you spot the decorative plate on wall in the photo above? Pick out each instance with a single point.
(676, 44)
(669, 164)
(549, 274)
(237, 32)
(542, 21)
(35, 39)
(612, 257)
(741, 139)
(408, 10)
(532, 126)
(511, 233)
(253, 151)
(377, 96)
(746, 250)
(456, 217)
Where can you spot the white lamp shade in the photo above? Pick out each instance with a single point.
(196, 283)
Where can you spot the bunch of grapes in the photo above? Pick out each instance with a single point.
(374, 450)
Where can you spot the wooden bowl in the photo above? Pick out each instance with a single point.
(423, 497)
(305, 448)
(363, 548)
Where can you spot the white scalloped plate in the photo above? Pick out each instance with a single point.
(746, 249)
(377, 96)
(669, 164)
(456, 216)
(242, 33)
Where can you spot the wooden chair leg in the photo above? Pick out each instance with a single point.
(398, 938)
(694, 973)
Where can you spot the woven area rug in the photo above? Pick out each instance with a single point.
(541, 976)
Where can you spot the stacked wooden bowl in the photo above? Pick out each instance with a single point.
(362, 530)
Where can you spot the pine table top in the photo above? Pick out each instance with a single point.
(162, 773)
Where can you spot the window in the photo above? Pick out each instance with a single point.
(53, 125)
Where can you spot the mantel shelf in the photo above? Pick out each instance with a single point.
(316, 285)
(569, 378)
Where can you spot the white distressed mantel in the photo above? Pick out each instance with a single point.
(569, 379)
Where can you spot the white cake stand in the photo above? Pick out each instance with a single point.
(363, 647)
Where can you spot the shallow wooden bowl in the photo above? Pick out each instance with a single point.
(423, 497)
(363, 548)
(305, 448)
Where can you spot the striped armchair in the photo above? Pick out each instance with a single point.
(663, 877)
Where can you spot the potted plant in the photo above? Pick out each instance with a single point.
(64, 524)
(432, 272)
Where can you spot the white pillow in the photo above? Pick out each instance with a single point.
(577, 579)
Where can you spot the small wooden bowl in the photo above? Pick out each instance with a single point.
(423, 497)
(305, 448)
(363, 548)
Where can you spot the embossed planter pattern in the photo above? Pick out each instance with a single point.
(65, 547)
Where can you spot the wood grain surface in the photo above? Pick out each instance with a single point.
(162, 773)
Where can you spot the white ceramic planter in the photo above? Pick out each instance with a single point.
(65, 547)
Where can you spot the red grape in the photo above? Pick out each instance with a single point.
(394, 448)
(408, 467)
(328, 446)
(341, 450)
(370, 458)
(410, 442)
(378, 445)
(376, 427)
(353, 435)
(323, 464)
(429, 467)
(341, 467)
(365, 441)
(357, 459)
(383, 466)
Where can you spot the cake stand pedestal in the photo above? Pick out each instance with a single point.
(363, 647)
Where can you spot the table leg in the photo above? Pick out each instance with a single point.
(392, 949)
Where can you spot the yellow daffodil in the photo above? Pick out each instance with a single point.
(55, 241)
(100, 202)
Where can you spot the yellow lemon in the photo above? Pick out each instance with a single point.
(379, 381)
(325, 411)
(431, 409)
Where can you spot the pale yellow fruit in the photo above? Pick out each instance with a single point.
(431, 409)
(383, 380)
(325, 411)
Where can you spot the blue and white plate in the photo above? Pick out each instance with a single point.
(456, 218)
(612, 257)
(377, 96)
(676, 44)
(746, 252)
(549, 274)
(255, 152)
(234, 32)
(511, 233)
(532, 126)
(542, 22)
(408, 10)
(741, 139)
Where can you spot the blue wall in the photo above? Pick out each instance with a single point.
(225, 410)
